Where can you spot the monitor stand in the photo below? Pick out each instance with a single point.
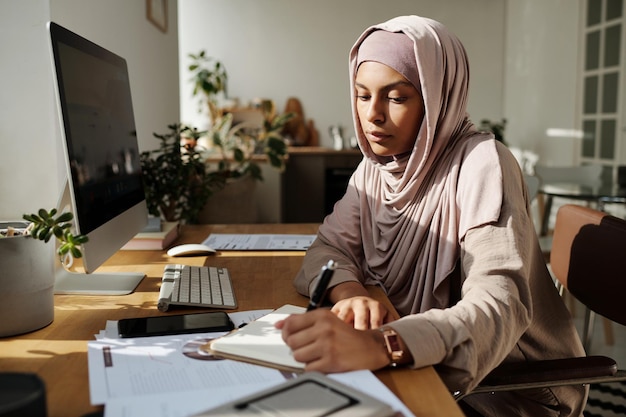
(111, 283)
(97, 283)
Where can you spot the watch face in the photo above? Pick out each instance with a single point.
(393, 343)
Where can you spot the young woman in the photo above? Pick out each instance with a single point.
(437, 214)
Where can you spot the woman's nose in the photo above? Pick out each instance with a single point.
(375, 111)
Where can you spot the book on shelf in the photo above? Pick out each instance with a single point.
(155, 240)
(259, 342)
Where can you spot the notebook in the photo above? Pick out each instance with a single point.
(259, 342)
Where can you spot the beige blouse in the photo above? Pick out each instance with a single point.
(509, 309)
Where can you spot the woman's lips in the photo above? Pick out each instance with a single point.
(377, 136)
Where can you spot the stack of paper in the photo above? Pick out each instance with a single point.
(170, 376)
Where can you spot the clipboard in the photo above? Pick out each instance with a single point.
(310, 395)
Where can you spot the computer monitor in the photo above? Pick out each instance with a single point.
(104, 187)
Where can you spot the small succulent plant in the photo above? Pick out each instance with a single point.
(46, 224)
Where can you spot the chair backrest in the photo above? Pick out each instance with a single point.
(621, 176)
(588, 258)
(572, 174)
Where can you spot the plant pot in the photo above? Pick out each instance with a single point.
(233, 204)
(26, 285)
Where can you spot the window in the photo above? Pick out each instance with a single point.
(602, 79)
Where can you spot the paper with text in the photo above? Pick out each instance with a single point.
(163, 377)
(275, 242)
(185, 404)
(166, 364)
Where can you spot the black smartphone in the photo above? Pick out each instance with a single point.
(214, 321)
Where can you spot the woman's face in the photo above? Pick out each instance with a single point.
(389, 108)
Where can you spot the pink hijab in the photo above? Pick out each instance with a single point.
(412, 215)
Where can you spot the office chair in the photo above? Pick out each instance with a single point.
(588, 260)
(584, 175)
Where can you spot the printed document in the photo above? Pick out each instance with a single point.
(170, 376)
(219, 241)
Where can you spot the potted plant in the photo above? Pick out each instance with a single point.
(236, 147)
(235, 154)
(44, 225)
(28, 269)
(234, 150)
(236, 144)
(209, 80)
(177, 181)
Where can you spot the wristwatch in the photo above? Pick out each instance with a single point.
(395, 352)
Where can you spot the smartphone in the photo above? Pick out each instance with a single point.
(214, 321)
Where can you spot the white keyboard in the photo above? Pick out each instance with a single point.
(196, 286)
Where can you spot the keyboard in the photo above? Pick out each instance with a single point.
(196, 286)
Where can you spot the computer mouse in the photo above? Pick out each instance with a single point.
(190, 249)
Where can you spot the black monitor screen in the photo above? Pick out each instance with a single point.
(99, 128)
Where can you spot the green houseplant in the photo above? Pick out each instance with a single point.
(29, 269)
(234, 149)
(236, 145)
(177, 181)
(209, 79)
(46, 224)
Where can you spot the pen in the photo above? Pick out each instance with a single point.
(322, 284)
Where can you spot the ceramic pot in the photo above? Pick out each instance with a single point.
(26, 285)
(233, 204)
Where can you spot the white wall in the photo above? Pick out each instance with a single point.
(29, 132)
(541, 76)
(277, 49)
(26, 123)
(523, 55)
(122, 27)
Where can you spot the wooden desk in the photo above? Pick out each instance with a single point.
(58, 353)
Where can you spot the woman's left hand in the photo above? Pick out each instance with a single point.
(362, 312)
(327, 344)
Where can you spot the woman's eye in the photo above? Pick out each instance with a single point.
(363, 97)
(397, 99)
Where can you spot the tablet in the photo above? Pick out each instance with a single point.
(310, 395)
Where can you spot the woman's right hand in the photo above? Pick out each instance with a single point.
(326, 344)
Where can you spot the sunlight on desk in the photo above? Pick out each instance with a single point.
(90, 302)
(261, 280)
